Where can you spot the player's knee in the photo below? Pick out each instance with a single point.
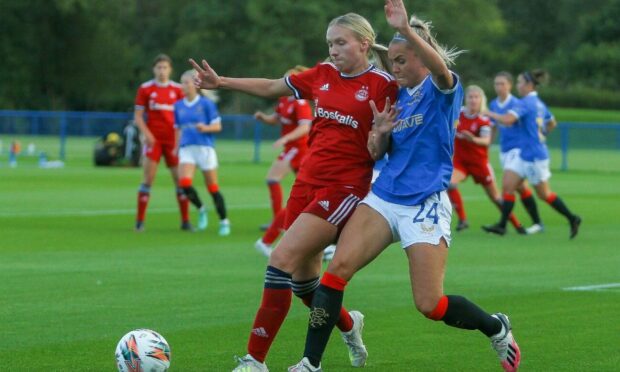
(452, 186)
(341, 268)
(185, 182)
(283, 259)
(432, 307)
(213, 188)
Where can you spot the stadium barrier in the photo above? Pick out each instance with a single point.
(567, 137)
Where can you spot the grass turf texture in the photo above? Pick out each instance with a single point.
(75, 277)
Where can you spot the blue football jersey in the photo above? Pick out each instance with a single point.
(532, 114)
(188, 114)
(420, 158)
(508, 135)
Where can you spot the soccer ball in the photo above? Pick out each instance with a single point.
(142, 350)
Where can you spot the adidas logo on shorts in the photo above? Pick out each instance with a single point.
(324, 204)
(260, 332)
(325, 87)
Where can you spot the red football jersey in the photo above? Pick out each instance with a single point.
(158, 100)
(290, 112)
(338, 153)
(467, 151)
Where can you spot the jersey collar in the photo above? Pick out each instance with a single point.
(161, 85)
(193, 102)
(413, 90)
(347, 76)
(502, 104)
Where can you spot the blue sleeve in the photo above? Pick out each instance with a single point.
(520, 109)
(211, 112)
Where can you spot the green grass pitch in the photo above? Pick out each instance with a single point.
(75, 277)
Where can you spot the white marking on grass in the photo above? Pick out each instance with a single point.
(109, 212)
(595, 287)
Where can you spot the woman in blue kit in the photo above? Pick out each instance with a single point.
(408, 201)
(196, 121)
(532, 121)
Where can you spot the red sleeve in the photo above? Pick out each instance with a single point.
(303, 110)
(141, 99)
(180, 93)
(301, 84)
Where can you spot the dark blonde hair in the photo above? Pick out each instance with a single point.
(377, 53)
(423, 30)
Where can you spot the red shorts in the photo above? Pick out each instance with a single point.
(162, 148)
(294, 155)
(334, 204)
(482, 173)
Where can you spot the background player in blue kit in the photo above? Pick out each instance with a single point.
(408, 201)
(509, 143)
(532, 119)
(196, 119)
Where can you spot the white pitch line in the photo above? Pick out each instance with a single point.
(109, 212)
(595, 287)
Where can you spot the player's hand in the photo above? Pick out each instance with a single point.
(396, 14)
(259, 115)
(202, 127)
(280, 143)
(207, 78)
(467, 135)
(384, 121)
(149, 139)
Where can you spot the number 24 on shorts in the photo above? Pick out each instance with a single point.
(431, 214)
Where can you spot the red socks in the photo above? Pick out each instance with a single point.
(275, 228)
(275, 193)
(457, 203)
(183, 205)
(143, 201)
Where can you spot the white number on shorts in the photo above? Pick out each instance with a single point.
(431, 214)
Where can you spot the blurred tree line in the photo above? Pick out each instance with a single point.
(93, 54)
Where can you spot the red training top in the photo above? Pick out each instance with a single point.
(469, 152)
(338, 153)
(291, 112)
(158, 100)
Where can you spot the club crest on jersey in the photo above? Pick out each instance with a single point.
(362, 94)
(173, 95)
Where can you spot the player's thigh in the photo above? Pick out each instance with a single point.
(364, 237)
(511, 181)
(279, 169)
(186, 170)
(210, 176)
(427, 264)
(149, 167)
(304, 239)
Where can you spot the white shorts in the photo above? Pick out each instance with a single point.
(202, 156)
(511, 160)
(537, 171)
(425, 223)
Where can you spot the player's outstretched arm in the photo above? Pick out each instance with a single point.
(207, 78)
(396, 16)
(269, 119)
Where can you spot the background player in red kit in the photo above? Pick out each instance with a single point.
(471, 155)
(335, 174)
(295, 117)
(156, 98)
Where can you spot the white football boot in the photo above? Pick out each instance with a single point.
(354, 342)
(304, 366)
(249, 364)
(505, 345)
